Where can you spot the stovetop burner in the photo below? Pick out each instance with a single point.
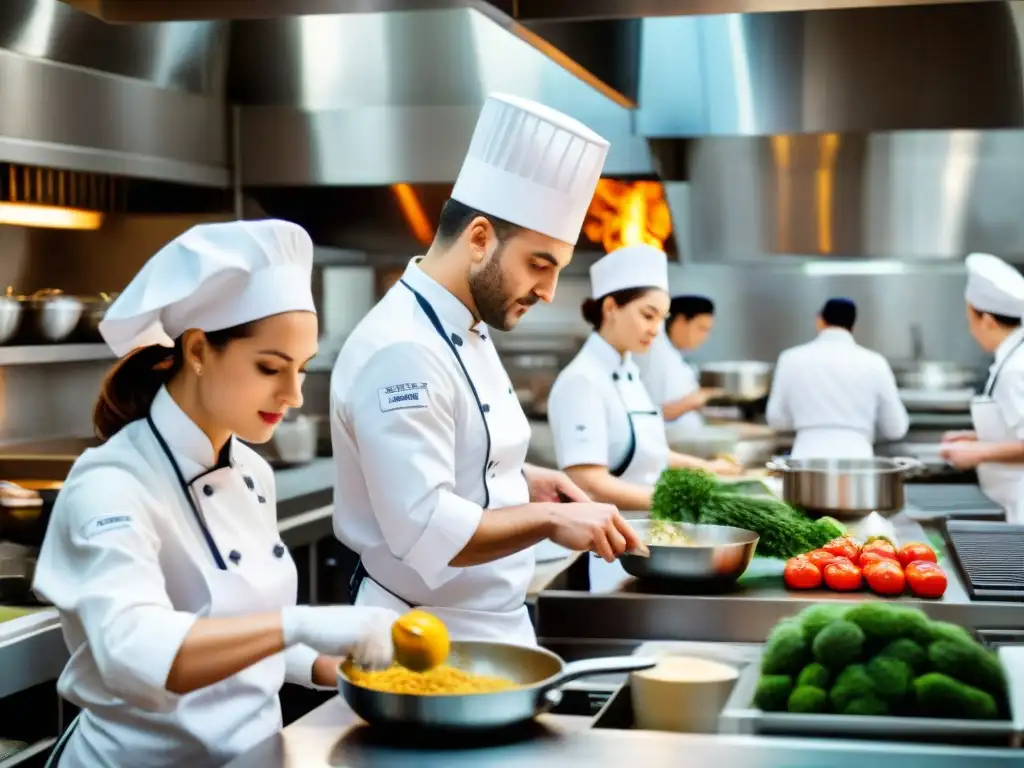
(990, 556)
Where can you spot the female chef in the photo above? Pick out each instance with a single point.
(609, 436)
(175, 592)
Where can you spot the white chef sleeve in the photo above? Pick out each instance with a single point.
(893, 419)
(777, 412)
(402, 406)
(579, 424)
(298, 667)
(99, 565)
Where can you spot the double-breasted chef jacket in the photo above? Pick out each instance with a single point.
(427, 433)
(837, 396)
(134, 554)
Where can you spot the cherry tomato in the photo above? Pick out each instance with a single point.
(820, 558)
(914, 551)
(881, 546)
(926, 579)
(885, 577)
(842, 576)
(843, 546)
(801, 573)
(868, 557)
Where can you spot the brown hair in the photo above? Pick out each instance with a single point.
(593, 313)
(130, 386)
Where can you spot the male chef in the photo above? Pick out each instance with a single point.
(431, 489)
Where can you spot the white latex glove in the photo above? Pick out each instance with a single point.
(363, 633)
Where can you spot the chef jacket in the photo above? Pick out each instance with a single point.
(427, 433)
(601, 415)
(998, 416)
(838, 397)
(128, 567)
(668, 377)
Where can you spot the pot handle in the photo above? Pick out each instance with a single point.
(908, 462)
(602, 666)
(777, 464)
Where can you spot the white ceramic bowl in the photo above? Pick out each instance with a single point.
(682, 693)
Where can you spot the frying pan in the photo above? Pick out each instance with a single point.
(539, 673)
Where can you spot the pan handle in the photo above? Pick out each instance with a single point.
(602, 666)
(777, 464)
(907, 462)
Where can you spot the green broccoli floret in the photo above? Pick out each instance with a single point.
(838, 644)
(884, 622)
(969, 664)
(853, 682)
(939, 695)
(909, 652)
(807, 699)
(817, 617)
(866, 705)
(943, 630)
(891, 677)
(772, 693)
(814, 675)
(786, 650)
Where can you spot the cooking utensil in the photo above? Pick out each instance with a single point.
(934, 375)
(743, 381)
(844, 488)
(295, 440)
(539, 673)
(705, 442)
(94, 308)
(25, 508)
(48, 315)
(713, 555)
(10, 318)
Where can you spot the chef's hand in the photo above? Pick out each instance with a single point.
(363, 633)
(699, 398)
(961, 436)
(594, 527)
(964, 454)
(724, 467)
(548, 485)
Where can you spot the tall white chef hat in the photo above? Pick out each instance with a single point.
(994, 286)
(633, 266)
(532, 166)
(213, 276)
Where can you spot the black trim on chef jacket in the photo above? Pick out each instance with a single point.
(621, 468)
(995, 376)
(360, 574)
(200, 520)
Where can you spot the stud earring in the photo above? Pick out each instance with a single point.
(199, 370)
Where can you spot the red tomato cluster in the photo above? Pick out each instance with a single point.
(843, 566)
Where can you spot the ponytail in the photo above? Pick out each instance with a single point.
(130, 386)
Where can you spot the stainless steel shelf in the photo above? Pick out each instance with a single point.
(44, 354)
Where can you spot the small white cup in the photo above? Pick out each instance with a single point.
(682, 693)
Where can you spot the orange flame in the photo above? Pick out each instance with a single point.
(413, 212)
(628, 213)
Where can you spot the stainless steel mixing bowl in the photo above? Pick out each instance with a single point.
(713, 555)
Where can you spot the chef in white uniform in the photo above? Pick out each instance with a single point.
(670, 379)
(175, 592)
(609, 435)
(838, 396)
(995, 302)
(430, 440)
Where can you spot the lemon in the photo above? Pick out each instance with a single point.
(421, 641)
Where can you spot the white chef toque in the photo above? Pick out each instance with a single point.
(633, 266)
(212, 277)
(531, 166)
(994, 286)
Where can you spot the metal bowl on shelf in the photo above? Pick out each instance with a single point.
(50, 316)
(741, 381)
(94, 309)
(10, 318)
(844, 488)
(713, 555)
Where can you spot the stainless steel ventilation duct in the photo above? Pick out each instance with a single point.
(920, 195)
(861, 70)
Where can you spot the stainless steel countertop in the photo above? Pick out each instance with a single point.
(332, 735)
(619, 607)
